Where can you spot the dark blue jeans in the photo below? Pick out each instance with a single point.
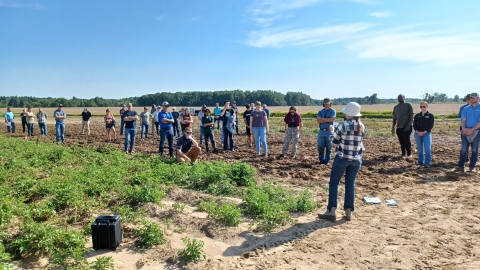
(324, 145)
(339, 167)
(236, 124)
(218, 123)
(43, 128)
(144, 130)
(464, 152)
(166, 133)
(122, 125)
(12, 126)
(228, 136)
(60, 131)
(30, 129)
(130, 134)
(176, 130)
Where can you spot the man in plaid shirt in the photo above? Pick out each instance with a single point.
(42, 121)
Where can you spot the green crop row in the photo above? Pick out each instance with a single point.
(47, 189)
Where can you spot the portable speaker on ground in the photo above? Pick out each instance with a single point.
(106, 232)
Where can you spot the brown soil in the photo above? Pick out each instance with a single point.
(435, 225)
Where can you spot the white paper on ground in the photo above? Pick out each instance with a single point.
(391, 202)
(373, 200)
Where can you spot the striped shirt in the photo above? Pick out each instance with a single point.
(350, 145)
(42, 117)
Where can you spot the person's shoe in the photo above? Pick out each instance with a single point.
(266, 155)
(472, 170)
(348, 214)
(281, 156)
(410, 156)
(329, 214)
(404, 157)
(458, 169)
(293, 156)
(321, 162)
(215, 151)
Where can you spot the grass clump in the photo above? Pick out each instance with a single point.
(225, 214)
(150, 235)
(193, 252)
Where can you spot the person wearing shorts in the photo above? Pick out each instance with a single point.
(246, 121)
(110, 126)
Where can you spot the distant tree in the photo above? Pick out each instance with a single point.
(456, 98)
(373, 99)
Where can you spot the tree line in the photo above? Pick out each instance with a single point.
(198, 98)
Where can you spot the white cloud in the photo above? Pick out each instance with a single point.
(381, 14)
(160, 17)
(16, 4)
(265, 12)
(314, 36)
(440, 48)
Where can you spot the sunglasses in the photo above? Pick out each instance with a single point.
(188, 132)
(292, 111)
(423, 106)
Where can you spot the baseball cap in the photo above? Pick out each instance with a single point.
(326, 100)
(474, 95)
(204, 106)
(85, 109)
(145, 108)
(60, 105)
(129, 105)
(165, 104)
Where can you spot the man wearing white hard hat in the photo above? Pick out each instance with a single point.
(348, 136)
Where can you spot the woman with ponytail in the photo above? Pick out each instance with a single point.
(348, 136)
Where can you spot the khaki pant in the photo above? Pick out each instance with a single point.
(86, 124)
(192, 154)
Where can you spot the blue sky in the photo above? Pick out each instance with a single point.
(336, 48)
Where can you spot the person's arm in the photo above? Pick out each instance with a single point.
(251, 122)
(464, 129)
(194, 143)
(410, 118)
(300, 126)
(182, 155)
(415, 123)
(266, 121)
(394, 121)
(431, 123)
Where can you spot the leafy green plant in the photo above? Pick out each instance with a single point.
(305, 203)
(178, 207)
(226, 214)
(150, 235)
(193, 252)
(102, 263)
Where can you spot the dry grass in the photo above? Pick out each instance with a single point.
(434, 108)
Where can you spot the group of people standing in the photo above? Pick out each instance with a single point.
(28, 122)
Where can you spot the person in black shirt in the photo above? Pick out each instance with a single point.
(422, 124)
(187, 147)
(122, 121)
(24, 119)
(86, 121)
(175, 114)
(246, 121)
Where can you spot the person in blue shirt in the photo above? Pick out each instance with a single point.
(165, 120)
(130, 117)
(176, 115)
(325, 119)
(59, 115)
(266, 110)
(466, 99)
(216, 113)
(9, 120)
(470, 137)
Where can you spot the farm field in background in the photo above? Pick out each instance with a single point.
(58, 190)
(440, 109)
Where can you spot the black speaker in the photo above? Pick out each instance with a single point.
(106, 232)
